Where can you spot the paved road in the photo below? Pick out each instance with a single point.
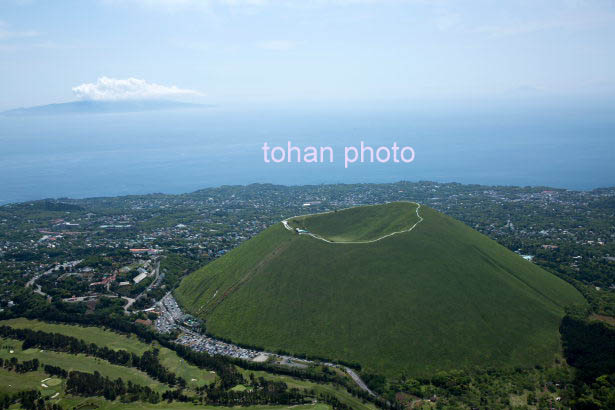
(358, 381)
(281, 359)
(129, 301)
(35, 278)
(84, 298)
(38, 288)
(133, 300)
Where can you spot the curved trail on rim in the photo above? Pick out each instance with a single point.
(285, 223)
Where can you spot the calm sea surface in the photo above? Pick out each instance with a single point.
(181, 151)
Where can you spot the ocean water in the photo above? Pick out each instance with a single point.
(565, 145)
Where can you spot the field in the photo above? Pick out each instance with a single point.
(100, 404)
(32, 381)
(78, 362)
(440, 297)
(192, 374)
(339, 392)
(101, 337)
(11, 382)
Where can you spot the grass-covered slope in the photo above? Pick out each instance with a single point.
(441, 296)
(363, 223)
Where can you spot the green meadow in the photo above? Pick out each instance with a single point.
(102, 337)
(339, 392)
(78, 362)
(11, 382)
(101, 404)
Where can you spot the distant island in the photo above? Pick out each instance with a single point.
(102, 107)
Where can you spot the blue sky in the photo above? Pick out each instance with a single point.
(270, 51)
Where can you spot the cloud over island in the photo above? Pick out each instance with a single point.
(113, 89)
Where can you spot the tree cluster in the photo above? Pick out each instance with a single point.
(148, 362)
(13, 364)
(93, 384)
(55, 371)
(28, 400)
(262, 392)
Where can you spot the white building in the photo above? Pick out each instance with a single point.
(140, 277)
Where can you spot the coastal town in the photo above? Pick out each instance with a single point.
(117, 261)
(136, 249)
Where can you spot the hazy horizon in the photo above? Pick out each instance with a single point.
(563, 146)
(515, 93)
(260, 51)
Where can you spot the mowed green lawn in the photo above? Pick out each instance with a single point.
(102, 337)
(341, 393)
(440, 297)
(102, 404)
(364, 223)
(78, 362)
(12, 382)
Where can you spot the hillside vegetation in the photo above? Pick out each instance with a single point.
(364, 223)
(439, 297)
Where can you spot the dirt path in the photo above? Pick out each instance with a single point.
(315, 236)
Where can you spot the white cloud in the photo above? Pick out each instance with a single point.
(112, 89)
(277, 45)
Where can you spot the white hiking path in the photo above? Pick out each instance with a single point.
(418, 206)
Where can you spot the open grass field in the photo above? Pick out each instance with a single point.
(101, 404)
(364, 223)
(90, 334)
(440, 297)
(192, 374)
(12, 382)
(31, 381)
(78, 362)
(339, 392)
(53, 381)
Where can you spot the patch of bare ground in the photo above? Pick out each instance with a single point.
(603, 318)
